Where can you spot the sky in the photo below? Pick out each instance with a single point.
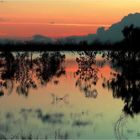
(59, 18)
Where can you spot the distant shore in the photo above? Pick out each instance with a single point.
(68, 47)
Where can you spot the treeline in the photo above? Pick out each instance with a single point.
(131, 41)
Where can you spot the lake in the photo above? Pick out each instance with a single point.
(70, 95)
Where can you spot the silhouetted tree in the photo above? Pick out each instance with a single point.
(132, 37)
(127, 31)
(126, 84)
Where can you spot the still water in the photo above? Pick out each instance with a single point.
(70, 95)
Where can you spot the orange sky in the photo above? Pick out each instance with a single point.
(55, 18)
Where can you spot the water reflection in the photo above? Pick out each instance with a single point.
(70, 81)
(27, 72)
(56, 99)
(47, 119)
(87, 74)
(124, 81)
(119, 127)
(126, 84)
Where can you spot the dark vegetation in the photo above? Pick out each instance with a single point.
(130, 42)
(124, 83)
(87, 74)
(22, 68)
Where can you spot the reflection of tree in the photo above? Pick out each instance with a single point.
(127, 84)
(26, 71)
(87, 74)
(24, 74)
(6, 84)
(7, 60)
(51, 64)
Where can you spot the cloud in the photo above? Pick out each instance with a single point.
(77, 24)
(112, 34)
(61, 24)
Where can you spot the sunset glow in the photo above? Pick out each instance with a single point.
(58, 18)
